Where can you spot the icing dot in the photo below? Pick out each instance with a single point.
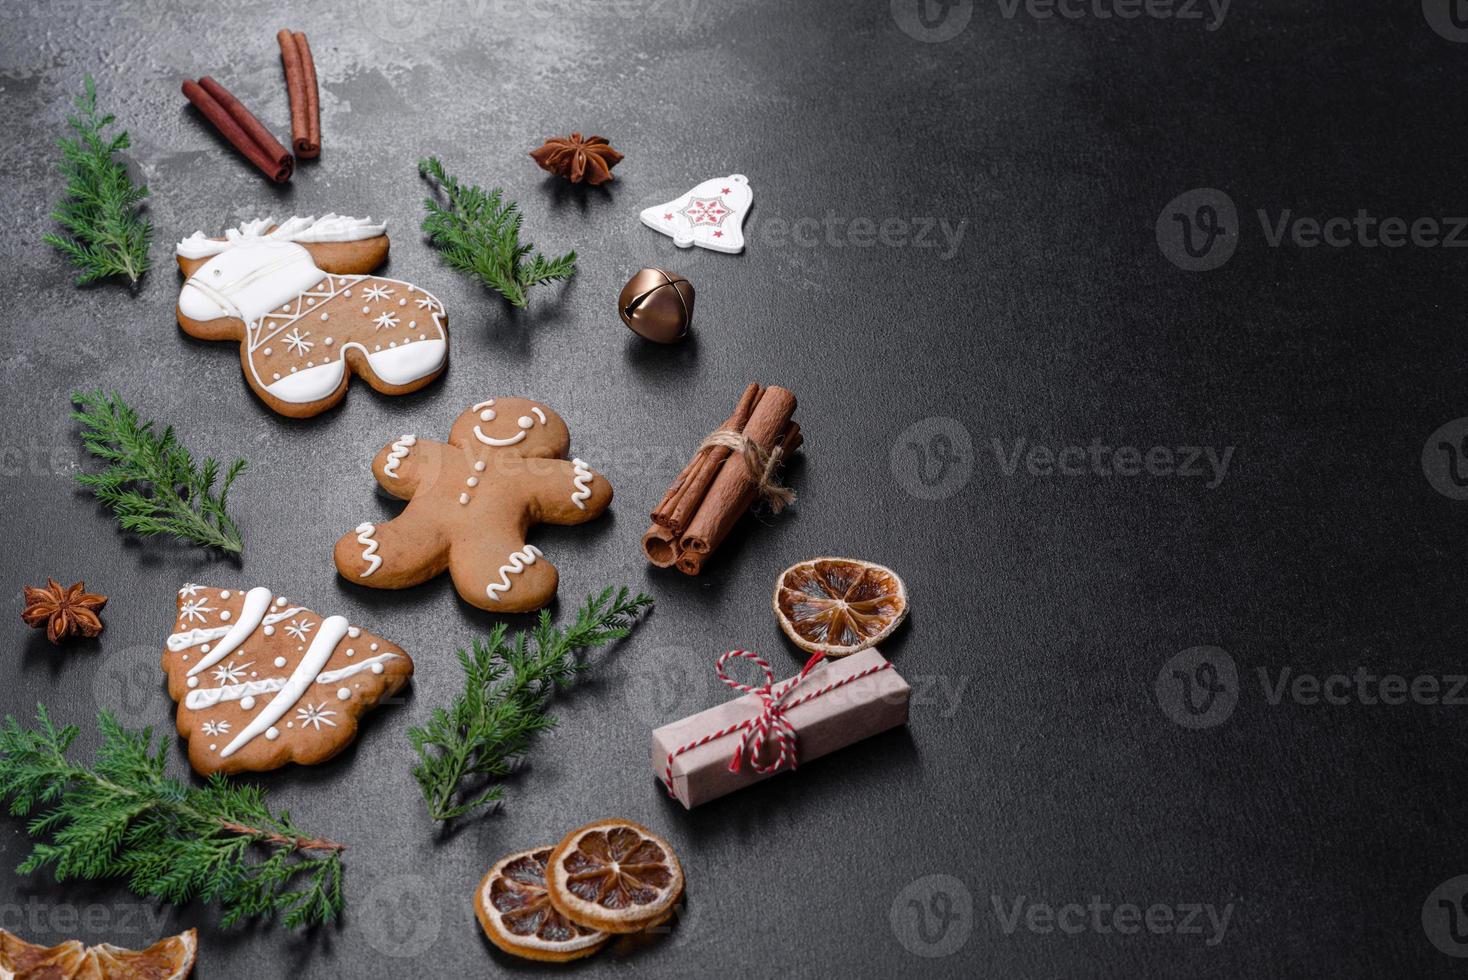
(247, 702)
(487, 415)
(225, 594)
(423, 336)
(351, 652)
(366, 309)
(272, 733)
(290, 724)
(280, 661)
(280, 600)
(310, 364)
(377, 668)
(326, 317)
(347, 293)
(276, 377)
(269, 631)
(186, 656)
(310, 302)
(479, 466)
(463, 498)
(393, 344)
(372, 646)
(193, 682)
(523, 421)
(267, 352)
(343, 694)
(412, 324)
(204, 648)
(354, 632)
(293, 370)
(473, 481)
(378, 347)
(225, 615)
(254, 674)
(328, 341)
(402, 302)
(212, 746)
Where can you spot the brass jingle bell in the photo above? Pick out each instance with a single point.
(657, 305)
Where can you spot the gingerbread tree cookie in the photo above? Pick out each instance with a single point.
(261, 681)
(470, 503)
(307, 317)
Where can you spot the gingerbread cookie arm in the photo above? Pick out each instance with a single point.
(411, 548)
(568, 491)
(501, 573)
(403, 465)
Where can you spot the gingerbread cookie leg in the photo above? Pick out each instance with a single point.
(412, 547)
(503, 574)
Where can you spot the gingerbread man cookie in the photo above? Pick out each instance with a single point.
(307, 317)
(471, 501)
(261, 681)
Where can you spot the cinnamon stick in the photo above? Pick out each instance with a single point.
(240, 128)
(300, 85)
(733, 489)
(682, 499)
(661, 546)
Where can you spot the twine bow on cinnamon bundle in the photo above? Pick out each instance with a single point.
(733, 468)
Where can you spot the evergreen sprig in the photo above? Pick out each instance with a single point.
(464, 750)
(479, 233)
(121, 818)
(152, 484)
(104, 233)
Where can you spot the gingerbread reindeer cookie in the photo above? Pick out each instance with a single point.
(261, 681)
(471, 501)
(307, 317)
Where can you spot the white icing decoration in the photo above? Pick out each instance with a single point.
(225, 595)
(539, 413)
(479, 466)
(518, 562)
(581, 480)
(373, 664)
(487, 415)
(333, 628)
(314, 715)
(473, 481)
(463, 498)
(224, 616)
(400, 450)
(280, 661)
(189, 589)
(216, 728)
(372, 646)
(354, 632)
(525, 421)
(377, 668)
(490, 441)
(327, 228)
(369, 547)
(257, 600)
(269, 631)
(193, 682)
(272, 733)
(194, 611)
(343, 694)
(244, 693)
(487, 403)
(182, 641)
(247, 703)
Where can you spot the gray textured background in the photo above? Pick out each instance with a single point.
(1040, 766)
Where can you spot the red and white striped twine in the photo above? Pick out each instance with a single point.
(771, 721)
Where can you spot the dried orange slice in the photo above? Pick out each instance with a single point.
(519, 919)
(167, 959)
(838, 606)
(615, 876)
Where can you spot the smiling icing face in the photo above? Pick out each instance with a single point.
(517, 425)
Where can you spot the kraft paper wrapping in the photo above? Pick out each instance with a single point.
(834, 720)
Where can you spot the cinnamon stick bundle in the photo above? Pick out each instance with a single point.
(718, 485)
(305, 96)
(239, 126)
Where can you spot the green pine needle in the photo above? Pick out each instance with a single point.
(465, 750)
(121, 818)
(479, 233)
(104, 233)
(151, 483)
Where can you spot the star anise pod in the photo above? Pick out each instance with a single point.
(64, 612)
(576, 159)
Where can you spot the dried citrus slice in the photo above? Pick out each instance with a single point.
(167, 959)
(518, 918)
(615, 876)
(838, 606)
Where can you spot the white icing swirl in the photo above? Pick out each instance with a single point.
(400, 450)
(518, 562)
(582, 482)
(369, 547)
(327, 228)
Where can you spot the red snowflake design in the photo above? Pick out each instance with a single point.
(709, 211)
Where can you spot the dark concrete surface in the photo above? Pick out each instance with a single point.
(1082, 819)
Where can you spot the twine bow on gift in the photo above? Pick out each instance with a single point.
(771, 722)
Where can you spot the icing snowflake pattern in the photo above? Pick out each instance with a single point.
(194, 611)
(702, 211)
(298, 343)
(385, 321)
(299, 627)
(315, 715)
(424, 303)
(189, 589)
(376, 291)
(216, 728)
(229, 673)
